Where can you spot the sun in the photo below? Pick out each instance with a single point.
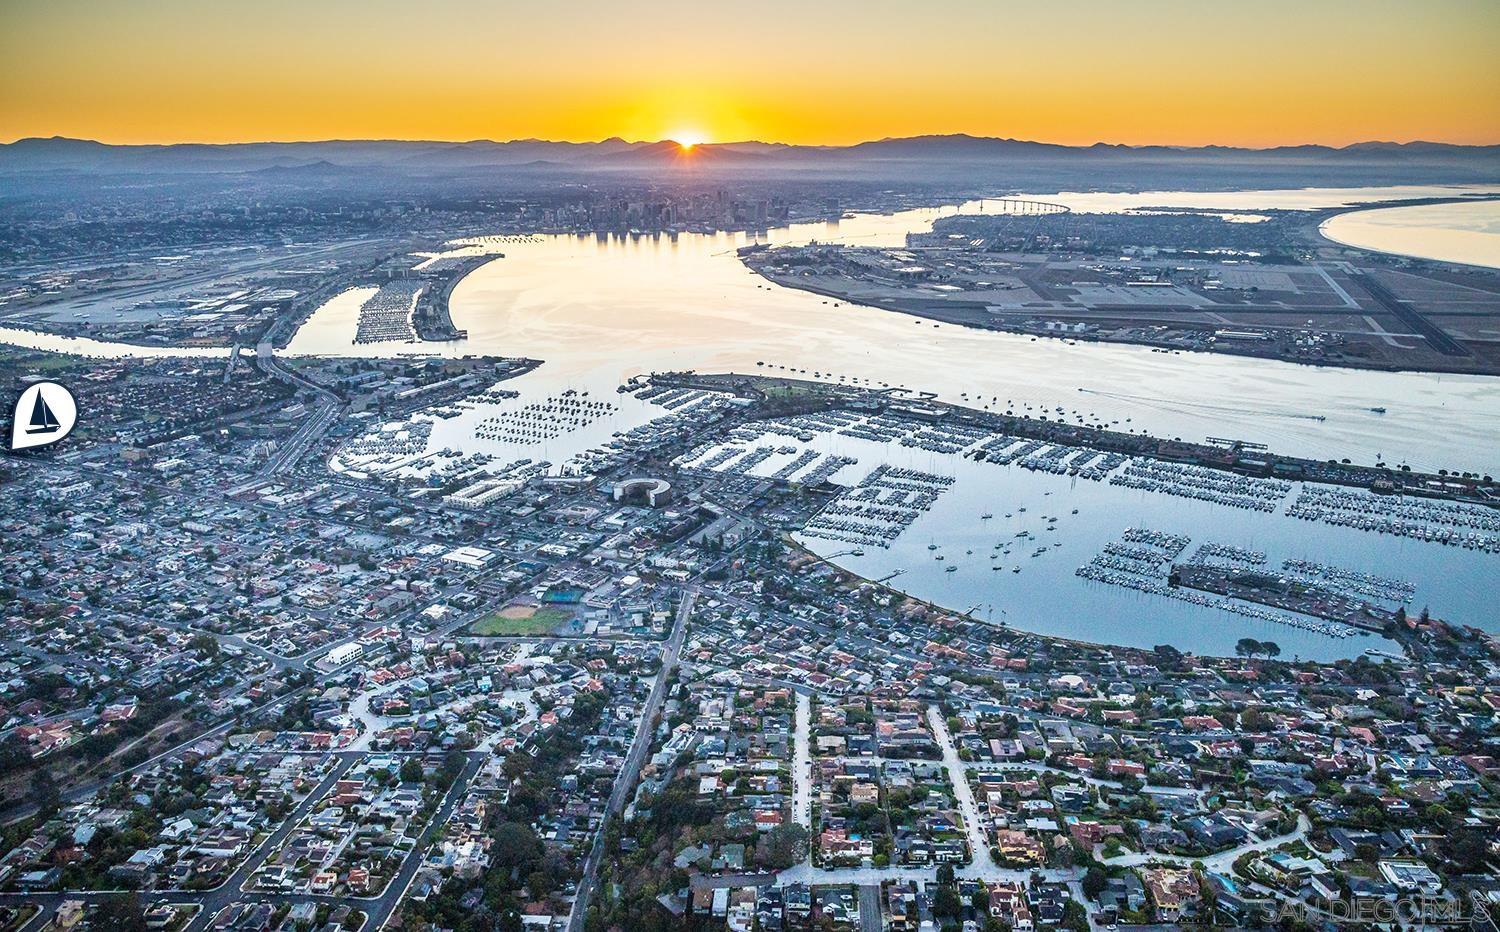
(688, 139)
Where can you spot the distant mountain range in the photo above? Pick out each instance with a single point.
(59, 154)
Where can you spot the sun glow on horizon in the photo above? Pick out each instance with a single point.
(688, 139)
(132, 73)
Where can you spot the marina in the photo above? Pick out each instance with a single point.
(1453, 524)
(1209, 485)
(875, 512)
(1046, 548)
(543, 420)
(1242, 586)
(571, 483)
(599, 311)
(385, 317)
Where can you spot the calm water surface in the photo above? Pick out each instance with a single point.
(599, 309)
(1048, 598)
(1467, 233)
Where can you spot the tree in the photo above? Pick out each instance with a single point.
(516, 845)
(411, 771)
(540, 884)
(1167, 656)
(123, 913)
(1254, 719)
(945, 903)
(1467, 850)
(945, 875)
(453, 765)
(44, 793)
(783, 846)
(1094, 882)
(205, 645)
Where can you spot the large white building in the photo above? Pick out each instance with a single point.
(344, 653)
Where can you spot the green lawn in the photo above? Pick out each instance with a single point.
(791, 391)
(542, 621)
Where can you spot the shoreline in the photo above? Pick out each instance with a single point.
(790, 541)
(1322, 231)
(973, 316)
(1229, 350)
(1248, 461)
(822, 396)
(432, 318)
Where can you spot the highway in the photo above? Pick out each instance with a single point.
(289, 453)
(317, 424)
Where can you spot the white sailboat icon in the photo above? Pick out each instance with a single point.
(43, 421)
(44, 414)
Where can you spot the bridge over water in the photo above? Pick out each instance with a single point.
(1021, 207)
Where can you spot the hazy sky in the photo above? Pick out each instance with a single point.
(1265, 72)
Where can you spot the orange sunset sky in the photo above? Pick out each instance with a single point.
(1069, 71)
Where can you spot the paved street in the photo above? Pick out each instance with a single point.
(802, 764)
(233, 888)
(384, 906)
(869, 908)
(85, 790)
(981, 863)
(1221, 862)
(625, 782)
(379, 908)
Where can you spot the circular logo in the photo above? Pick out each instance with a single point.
(45, 413)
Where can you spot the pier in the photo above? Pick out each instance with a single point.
(1280, 592)
(432, 317)
(1242, 460)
